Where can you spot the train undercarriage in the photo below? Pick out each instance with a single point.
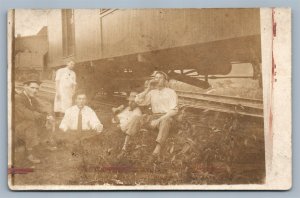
(192, 64)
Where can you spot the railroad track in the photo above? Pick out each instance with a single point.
(211, 102)
(221, 103)
(47, 88)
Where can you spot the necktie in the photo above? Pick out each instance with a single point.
(79, 123)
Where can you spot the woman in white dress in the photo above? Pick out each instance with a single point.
(65, 87)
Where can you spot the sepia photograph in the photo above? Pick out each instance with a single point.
(141, 99)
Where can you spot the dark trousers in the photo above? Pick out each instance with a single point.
(27, 131)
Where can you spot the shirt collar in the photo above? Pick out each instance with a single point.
(28, 97)
(67, 68)
(81, 109)
(159, 90)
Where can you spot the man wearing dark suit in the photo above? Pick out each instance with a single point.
(29, 117)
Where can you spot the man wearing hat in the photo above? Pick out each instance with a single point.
(29, 117)
(164, 105)
(65, 87)
(123, 116)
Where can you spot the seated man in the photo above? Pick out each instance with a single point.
(164, 102)
(80, 117)
(124, 115)
(30, 118)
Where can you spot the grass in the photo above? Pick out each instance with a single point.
(204, 148)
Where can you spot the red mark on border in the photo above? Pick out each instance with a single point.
(274, 32)
(274, 25)
(20, 170)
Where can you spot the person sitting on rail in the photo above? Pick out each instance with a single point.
(80, 117)
(123, 116)
(30, 118)
(164, 105)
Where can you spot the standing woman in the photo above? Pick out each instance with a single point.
(65, 88)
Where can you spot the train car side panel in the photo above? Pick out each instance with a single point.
(87, 34)
(55, 53)
(142, 30)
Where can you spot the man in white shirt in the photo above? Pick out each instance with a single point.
(80, 118)
(164, 105)
(123, 115)
(65, 87)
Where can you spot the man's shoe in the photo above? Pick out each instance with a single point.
(33, 160)
(121, 155)
(153, 158)
(51, 148)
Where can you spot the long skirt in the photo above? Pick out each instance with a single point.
(65, 101)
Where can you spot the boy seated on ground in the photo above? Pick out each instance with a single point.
(123, 116)
(80, 118)
(146, 110)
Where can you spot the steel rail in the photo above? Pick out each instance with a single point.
(216, 103)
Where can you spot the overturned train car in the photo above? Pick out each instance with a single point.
(123, 47)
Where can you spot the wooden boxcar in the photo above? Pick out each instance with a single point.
(124, 46)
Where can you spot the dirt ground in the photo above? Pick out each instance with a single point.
(204, 148)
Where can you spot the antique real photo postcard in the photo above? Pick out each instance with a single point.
(149, 99)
